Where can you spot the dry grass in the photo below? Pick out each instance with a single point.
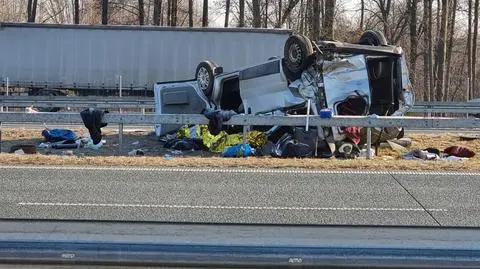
(386, 159)
(380, 163)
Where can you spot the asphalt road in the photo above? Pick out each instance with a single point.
(241, 196)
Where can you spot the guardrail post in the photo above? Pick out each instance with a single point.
(244, 135)
(369, 142)
(7, 92)
(120, 125)
(1, 136)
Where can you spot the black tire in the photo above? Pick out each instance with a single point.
(43, 92)
(298, 55)
(373, 38)
(204, 75)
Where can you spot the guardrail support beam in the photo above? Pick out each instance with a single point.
(369, 143)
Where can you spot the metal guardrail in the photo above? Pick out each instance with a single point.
(77, 101)
(248, 120)
(149, 103)
(446, 107)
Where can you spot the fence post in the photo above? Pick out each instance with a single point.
(120, 125)
(369, 142)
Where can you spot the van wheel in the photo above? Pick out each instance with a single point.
(204, 75)
(297, 52)
(373, 38)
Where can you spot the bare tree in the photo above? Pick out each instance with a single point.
(174, 13)
(291, 5)
(316, 19)
(413, 37)
(441, 53)
(329, 19)
(242, 14)
(76, 12)
(141, 12)
(157, 11)
(362, 15)
(104, 12)
(265, 18)
(257, 20)
(169, 12)
(190, 13)
(280, 7)
(31, 10)
(227, 13)
(469, 50)
(205, 14)
(451, 32)
(475, 91)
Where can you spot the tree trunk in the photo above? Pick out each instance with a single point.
(241, 22)
(265, 19)
(430, 50)
(413, 39)
(426, 53)
(302, 17)
(141, 12)
(31, 10)
(157, 11)
(76, 12)
(227, 12)
(288, 10)
(450, 47)
(475, 91)
(316, 19)
(174, 12)
(169, 12)
(362, 15)
(280, 11)
(205, 14)
(441, 53)
(190, 12)
(469, 50)
(257, 20)
(309, 18)
(104, 12)
(328, 19)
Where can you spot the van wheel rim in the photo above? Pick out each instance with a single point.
(203, 78)
(294, 53)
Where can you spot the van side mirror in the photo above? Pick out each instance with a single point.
(218, 70)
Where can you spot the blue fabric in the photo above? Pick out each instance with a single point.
(238, 150)
(55, 135)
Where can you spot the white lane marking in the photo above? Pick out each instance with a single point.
(243, 170)
(229, 207)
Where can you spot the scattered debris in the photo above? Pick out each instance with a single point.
(136, 152)
(240, 150)
(23, 149)
(135, 143)
(469, 137)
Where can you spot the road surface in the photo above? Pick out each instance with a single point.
(241, 196)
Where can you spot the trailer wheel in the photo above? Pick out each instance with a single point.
(43, 92)
(204, 75)
(297, 52)
(373, 38)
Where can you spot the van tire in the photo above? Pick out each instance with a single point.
(298, 54)
(373, 38)
(204, 75)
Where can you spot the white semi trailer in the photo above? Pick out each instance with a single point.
(51, 58)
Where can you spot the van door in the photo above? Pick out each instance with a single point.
(181, 97)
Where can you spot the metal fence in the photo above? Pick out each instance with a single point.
(250, 120)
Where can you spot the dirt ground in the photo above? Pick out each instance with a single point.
(112, 154)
